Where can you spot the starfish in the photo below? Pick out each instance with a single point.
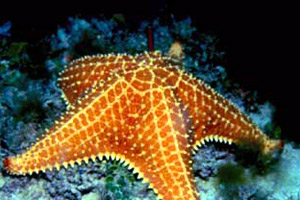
(143, 110)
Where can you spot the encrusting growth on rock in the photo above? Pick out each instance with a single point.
(142, 111)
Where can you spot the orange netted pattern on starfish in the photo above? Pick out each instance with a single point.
(143, 111)
(135, 119)
(88, 72)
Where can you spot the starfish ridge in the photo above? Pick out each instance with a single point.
(144, 111)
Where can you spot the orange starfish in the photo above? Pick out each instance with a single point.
(141, 110)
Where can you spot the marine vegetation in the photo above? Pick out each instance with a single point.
(150, 111)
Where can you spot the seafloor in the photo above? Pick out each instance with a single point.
(30, 102)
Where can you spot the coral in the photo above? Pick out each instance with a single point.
(109, 179)
(135, 95)
(208, 159)
(25, 108)
(82, 37)
(23, 188)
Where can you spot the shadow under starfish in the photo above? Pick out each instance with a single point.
(143, 110)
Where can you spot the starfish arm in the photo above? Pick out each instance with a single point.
(85, 73)
(142, 126)
(82, 75)
(216, 119)
(211, 116)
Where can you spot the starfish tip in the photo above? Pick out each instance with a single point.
(6, 163)
(273, 146)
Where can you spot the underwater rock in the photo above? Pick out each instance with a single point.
(208, 159)
(92, 196)
(2, 180)
(77, 183)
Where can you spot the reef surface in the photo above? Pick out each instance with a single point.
(30, 101)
